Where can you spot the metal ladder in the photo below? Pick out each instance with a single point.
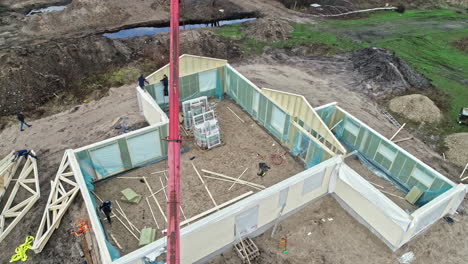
(391, 119)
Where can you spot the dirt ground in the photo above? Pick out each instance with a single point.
(343, 240)
(49, 137)
(244, 146)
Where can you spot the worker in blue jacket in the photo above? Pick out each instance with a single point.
(142, 81)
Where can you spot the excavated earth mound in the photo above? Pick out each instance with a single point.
(267, 29)
(384, 73)
(457, 149)
(416, 107)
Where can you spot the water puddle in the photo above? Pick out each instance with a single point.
(145, 31)
(46, 10)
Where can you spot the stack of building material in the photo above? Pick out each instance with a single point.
(130, 196)
(206, 130)
(192, 108)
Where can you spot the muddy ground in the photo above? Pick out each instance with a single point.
(49, 137)
(244, 146)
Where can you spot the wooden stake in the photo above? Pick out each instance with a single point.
(238, 178)
(380, 186)
(116, 242)
(204, 184)
(403, 139)
(164, 189)
(398, 131)
(463, 172)
(152, 213)
(155, 200)
(393, 195)
(235, 114)
(234, 179)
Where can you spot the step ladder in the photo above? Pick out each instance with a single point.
(391, 119)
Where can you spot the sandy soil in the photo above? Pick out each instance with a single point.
(244, 146)
(50, 137)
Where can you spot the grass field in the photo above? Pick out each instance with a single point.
(422, 38)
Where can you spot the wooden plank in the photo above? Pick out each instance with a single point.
(463, 172)
(235, 114)
(226, 180)
(204, 184)
(234, 179)
(116, 242)
(122, 212)
(398, 131)
(155, 200)
(152, 213)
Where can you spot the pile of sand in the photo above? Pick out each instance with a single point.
(267, 29)
(416, 107)
(457, 148)
(384, 73)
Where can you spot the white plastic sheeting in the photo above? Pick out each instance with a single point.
(387, 206)
(160, 98)
(247, 221)
(107, 160)
(207, 80)
(313, 182)
(278, 118)
(446, 203)
(144, 148)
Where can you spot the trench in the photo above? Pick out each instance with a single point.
(145, 31)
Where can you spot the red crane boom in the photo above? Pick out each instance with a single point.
(173, 158)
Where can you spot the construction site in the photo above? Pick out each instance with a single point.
(249, 139)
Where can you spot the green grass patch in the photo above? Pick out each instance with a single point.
(303, 34)
(387, 16)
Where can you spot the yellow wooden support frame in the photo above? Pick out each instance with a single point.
(60, 198)
(28, 175)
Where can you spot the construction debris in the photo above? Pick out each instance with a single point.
(147, 236)
(130, 196)
(247, 250)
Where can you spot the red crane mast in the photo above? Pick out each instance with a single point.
(173, 202)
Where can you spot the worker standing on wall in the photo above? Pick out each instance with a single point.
(142, 81)
(20, 117)
(106, 208)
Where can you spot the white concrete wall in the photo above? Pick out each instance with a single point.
(151, 111)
